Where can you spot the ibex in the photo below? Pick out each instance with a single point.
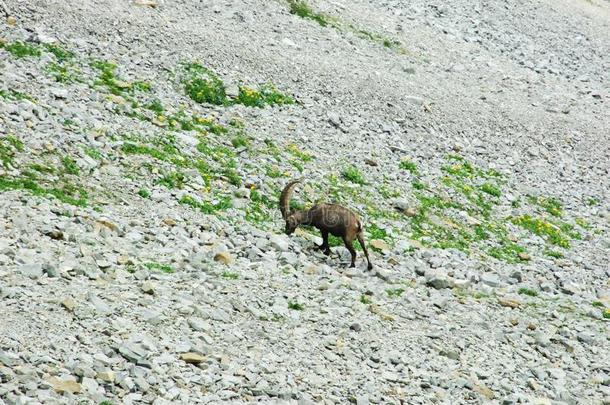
(329, 219)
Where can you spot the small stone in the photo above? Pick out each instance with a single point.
(223, 257)
(32, 271)
(68, 303)
(148, 288)
(380, 244)
(106, 376)
(11, 21)
(524, 256)
(371, 162)
(289, 42)
(100, 306)
(61, 386)
(484, 390)
(437, 278)
(280, 243)
(355, 327)
(490, 279)
(192, 358)
(509, 302)
(514, 322)
(199, 325)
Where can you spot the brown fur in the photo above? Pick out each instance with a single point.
(330, 219)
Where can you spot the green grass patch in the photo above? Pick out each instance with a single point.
(206, 207)
(61, 54)
(507, 251)
(365, 299)
(144, 193)
(265, 95)
(15, 95)
(160, 267)
(240, 141)
(406, 164)
(544, 229)
(203, 86)
(353, 174)
(549, 204)
(70, 165)
(172, 180)
(67, 194)
(491, 189)
(295, 306)
(395, 292)
(155, 106)
(554, 254)
(229, 275)
(303, 10)
(597, 304)
(9, 147)
(93, 153)
(528, 291)
(21, 49)
(591, 201)
(298, 153)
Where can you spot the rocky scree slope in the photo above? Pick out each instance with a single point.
(143, 146)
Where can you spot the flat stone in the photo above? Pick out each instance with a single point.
(61, 386)
(33, 270)
(106, 376)
(192, 358)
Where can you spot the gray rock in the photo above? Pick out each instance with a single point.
(490, 279)
(33, 270)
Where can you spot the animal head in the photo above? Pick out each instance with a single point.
(292, 218)
(292, 222)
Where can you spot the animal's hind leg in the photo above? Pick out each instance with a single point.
(350, 247)
(366, 252)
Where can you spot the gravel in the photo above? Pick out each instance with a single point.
(146, 294)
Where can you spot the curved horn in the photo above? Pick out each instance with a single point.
(285, 198)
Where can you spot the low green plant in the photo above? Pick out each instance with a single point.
(144, 193)
(61, 54)
(365, 299)
(21, 49)
(203, 86)
(597, 304)
(93, 153)
(549, 204)
(157, 266)
(406, 164)
(265, 95)
(395, 292)
(172, 180)
(240, 141)
(554, 254)
(295, 306)
(303, 10)
(15, 95)
(207, 207)
(229, 275)
(70, 165)
(528, 291)
(544, 229)
(67, 194)
(353, 174)
(491, 189)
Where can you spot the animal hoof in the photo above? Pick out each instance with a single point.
(352, 265)
(327, 252)
(370, 267)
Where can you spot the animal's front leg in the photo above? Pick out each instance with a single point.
(324, 246)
